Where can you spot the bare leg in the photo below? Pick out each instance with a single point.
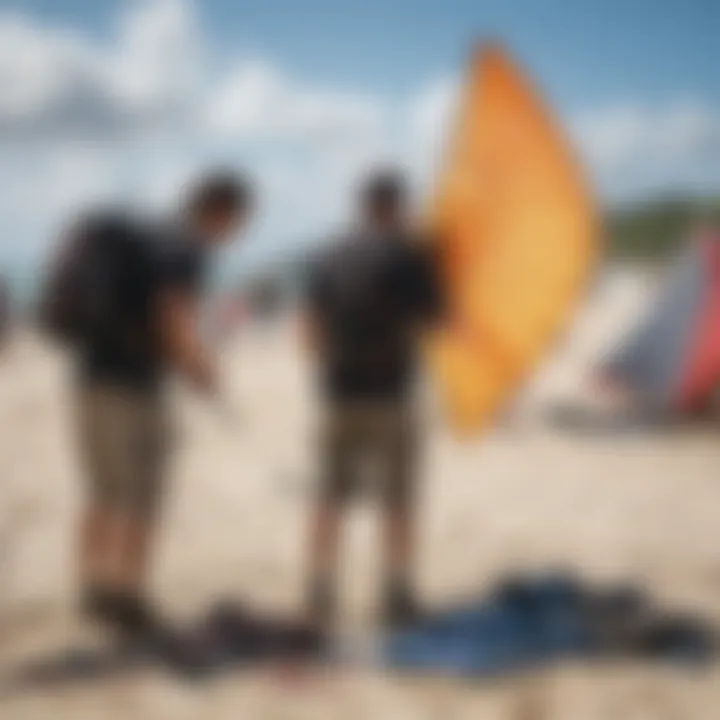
(399, 548)
(135, 521)
(131, 553)
(114, 550)
(338, 452)
(116, 570)
(323, 558)
(399, 525)
(96, 537)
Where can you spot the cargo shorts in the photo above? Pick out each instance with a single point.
(369, 445)
(123, 439)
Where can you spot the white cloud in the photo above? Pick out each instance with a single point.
(257, 100)
(38, 67)
(430, 111)
(631, 150)
(157, 59)
(58, 83)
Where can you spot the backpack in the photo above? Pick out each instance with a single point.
(84, 288)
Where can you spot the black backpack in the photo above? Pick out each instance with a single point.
(83, 292)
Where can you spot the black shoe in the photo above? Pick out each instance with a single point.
(134, 616)
(97, 603)
(128, 614)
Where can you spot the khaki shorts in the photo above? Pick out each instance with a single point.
(123, 444)
(369, 443)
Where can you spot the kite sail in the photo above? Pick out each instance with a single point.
(671, 360)
(516, 237)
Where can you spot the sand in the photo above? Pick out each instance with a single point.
(634, 506)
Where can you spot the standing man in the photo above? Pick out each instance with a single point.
(142, 281)
(370, 297)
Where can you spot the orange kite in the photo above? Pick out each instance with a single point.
(517, 237)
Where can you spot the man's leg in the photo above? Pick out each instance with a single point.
(398, 460)
(115, 551)
(323, 559)
(95, 560)
(125, 444)
(135, 522)
(95, 545)
(96, 431)
(132, 553)
(337, 457)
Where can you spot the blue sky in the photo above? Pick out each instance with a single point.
(107, 100)
(583, 51)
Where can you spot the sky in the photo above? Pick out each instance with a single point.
(124, 100)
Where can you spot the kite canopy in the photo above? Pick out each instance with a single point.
(671, 359)
(516, 234)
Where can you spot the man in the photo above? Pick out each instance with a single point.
(123, 362)
(370, 297)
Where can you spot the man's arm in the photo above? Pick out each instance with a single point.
(311, 333)
(180, 339)
(311, 325)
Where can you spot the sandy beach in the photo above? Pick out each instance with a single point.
(637, 506)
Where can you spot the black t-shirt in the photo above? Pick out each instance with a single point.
(370, 296)
(130, 354)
